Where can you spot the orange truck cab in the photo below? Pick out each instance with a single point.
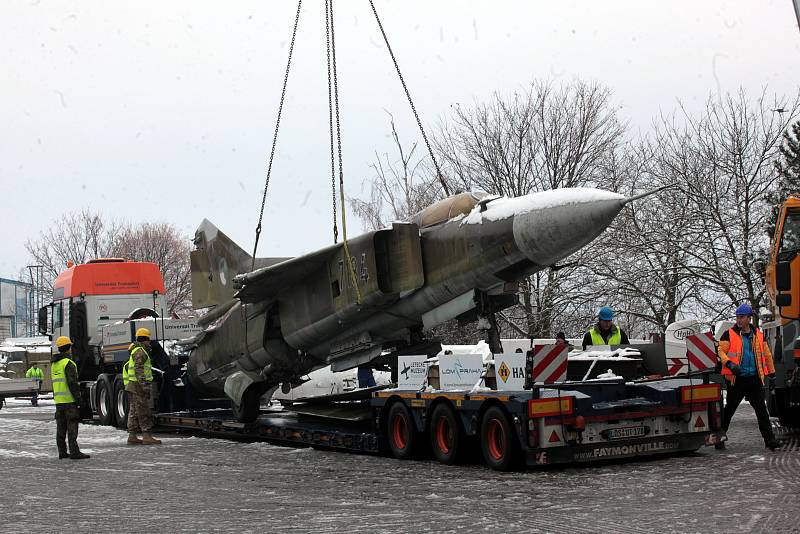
(93, 294)
(782, 279)
(89, 296)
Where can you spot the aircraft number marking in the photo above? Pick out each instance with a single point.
(362, 270)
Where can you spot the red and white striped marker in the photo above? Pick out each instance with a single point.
(549, 364)
(701, 352)
(677, 366)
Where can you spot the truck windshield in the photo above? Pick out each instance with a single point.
(790, 240)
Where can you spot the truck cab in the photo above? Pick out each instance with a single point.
(87, 297)
(91, 295)
(782, 280)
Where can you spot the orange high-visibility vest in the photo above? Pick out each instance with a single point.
(760, 350)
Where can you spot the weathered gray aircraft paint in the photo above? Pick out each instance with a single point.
(287, 317)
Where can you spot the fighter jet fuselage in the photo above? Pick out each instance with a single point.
(345, 306)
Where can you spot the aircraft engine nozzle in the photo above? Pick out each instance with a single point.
(551, 225)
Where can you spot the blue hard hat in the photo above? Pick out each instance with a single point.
(605, 314)
(744, 309)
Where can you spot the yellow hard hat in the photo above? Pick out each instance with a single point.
(63, 341)
(142, 332)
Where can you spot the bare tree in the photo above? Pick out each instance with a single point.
(547, 138)
(164, 245)
(639, 266)
(399, 187)
(76, 237)
(690, 250)
(82, 236)
(723, 159)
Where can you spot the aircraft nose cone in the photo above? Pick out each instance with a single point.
(551, 225)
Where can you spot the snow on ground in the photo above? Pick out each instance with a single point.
(194, 484)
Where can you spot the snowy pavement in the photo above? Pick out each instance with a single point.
(192, 484)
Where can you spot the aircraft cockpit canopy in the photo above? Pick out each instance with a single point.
(446, 209)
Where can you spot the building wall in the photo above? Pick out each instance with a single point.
(15, 309)
(6, 327)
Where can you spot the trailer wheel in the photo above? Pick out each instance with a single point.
(105, 400)
(447, 437)
(400, 427)
(247, 412)
(121, 406)
(498, 442)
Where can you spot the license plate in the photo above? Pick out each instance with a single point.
(625, 432)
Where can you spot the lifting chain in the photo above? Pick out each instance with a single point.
(331, 44)
(333, 107)
(330, 118)
(439, 174)
(275, 136)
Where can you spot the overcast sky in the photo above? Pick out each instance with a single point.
(164, 111)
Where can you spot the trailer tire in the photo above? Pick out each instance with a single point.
(447, 437)
(121, 406)
(105, 399)
(498, 440)
(247, 412)
(400, 430)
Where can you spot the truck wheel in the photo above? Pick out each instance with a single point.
(400, 427)
(121, 407)
(786, 417)
(447, 437)
(772, 403)
(105, 400)
(498, 440)
(247, 412)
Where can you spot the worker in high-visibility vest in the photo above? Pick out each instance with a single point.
(67, 396)
(36, 373)
(137, 375)
(746, 364)
(605, 332)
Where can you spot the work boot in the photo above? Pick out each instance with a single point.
(133, 439)
(78, 456)
(62, 455)
(148, 439)
(722, 437)
(772, 444)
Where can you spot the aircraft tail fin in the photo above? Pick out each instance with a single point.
(214, 262)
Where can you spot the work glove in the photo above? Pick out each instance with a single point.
(734, 367)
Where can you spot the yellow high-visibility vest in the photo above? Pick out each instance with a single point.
(61, 392)
(34, 372)
(129, 372)
(614, 339)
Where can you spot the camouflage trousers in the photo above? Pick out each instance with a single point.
(140, 417)
(67, 417)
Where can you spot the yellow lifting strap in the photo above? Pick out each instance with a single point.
(348, 258)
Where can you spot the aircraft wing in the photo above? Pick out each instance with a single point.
(270, 281)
